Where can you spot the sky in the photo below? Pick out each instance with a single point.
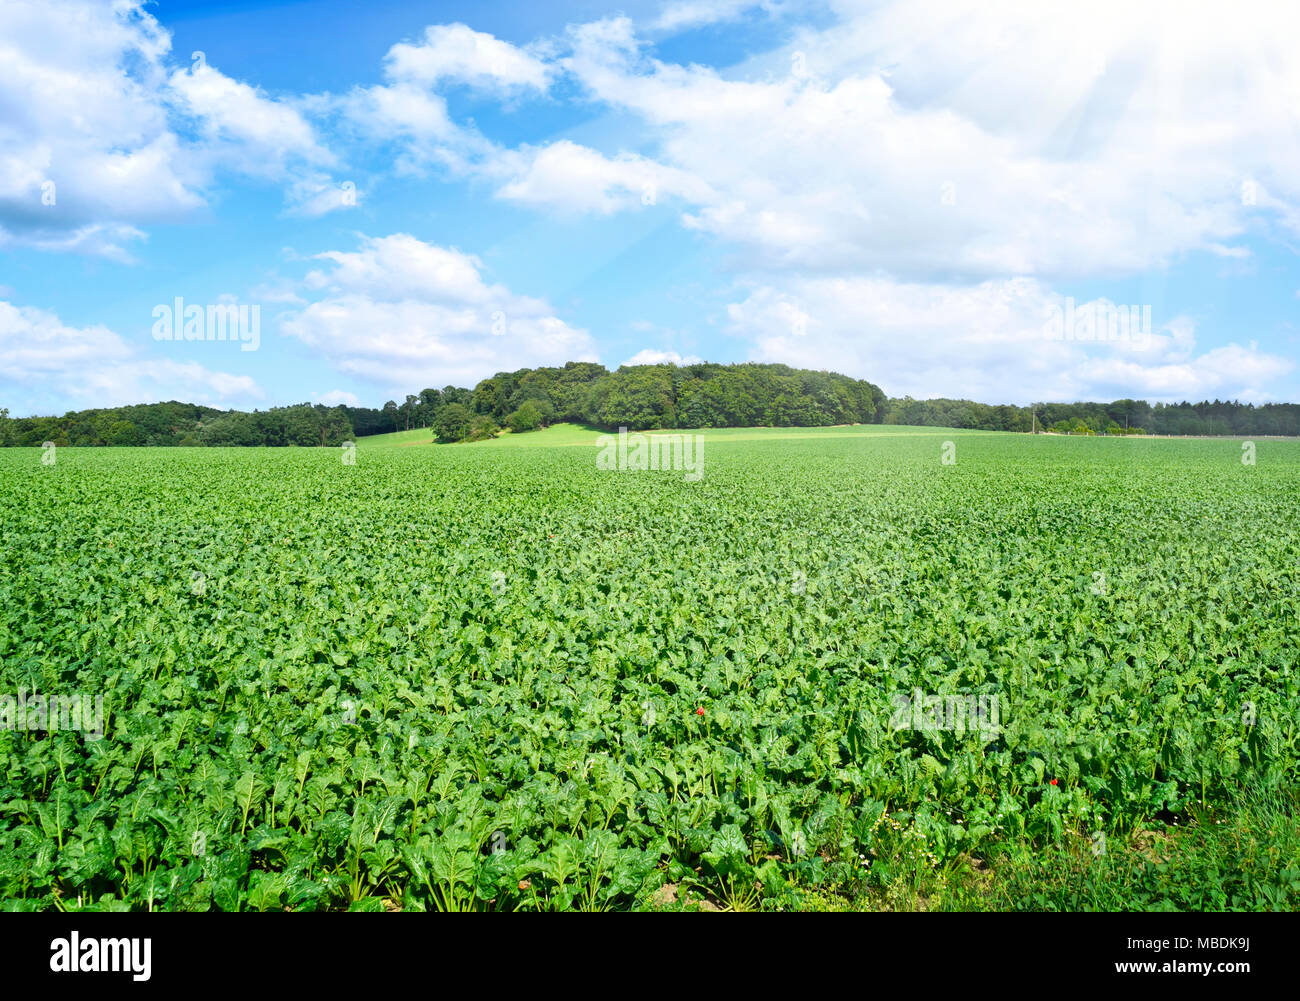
(1006, 202)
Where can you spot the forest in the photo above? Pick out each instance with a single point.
(643, 397)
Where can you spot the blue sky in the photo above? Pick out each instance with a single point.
(417, 194)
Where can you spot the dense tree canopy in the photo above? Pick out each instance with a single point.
(664, 396)
(453, 422)
(1138, 416)
(182, 424)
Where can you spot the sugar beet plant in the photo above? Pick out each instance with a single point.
(477, 677)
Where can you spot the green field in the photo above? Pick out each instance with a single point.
(494, 676)
(575, 434)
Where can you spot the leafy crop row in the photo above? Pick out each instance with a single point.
(451, 678)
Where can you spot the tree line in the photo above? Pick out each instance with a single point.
(1219, 417)
(640, 398)
(174, 423)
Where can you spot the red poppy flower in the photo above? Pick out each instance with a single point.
(699, 711)
(1053, 781)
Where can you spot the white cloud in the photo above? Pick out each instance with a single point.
(650, 356)
(100, 239)
(244, 130)
(416, 122)
(400, 267)
(245, 127)
(85, 148)
(338, 397)
(457, 53)
(400, 110)
(1230, 372)
(407, 111)
(46, 365)
(1050, 141)
(404, 314)
(679, 15)
(100, 135)
(990, 342)
(575, 178)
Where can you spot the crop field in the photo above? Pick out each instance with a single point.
(871, 667)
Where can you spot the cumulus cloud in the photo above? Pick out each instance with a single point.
(399, 311)
(997, 340)
(416, 123)
(650, 356)
(408, 111)
(1053, 142)
(457, 53)
(244, 126)
(338, 397)
(243, 130)
(101, 135)
(86, 152)
(574, 178)
(46, 365)
(1049, 148)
